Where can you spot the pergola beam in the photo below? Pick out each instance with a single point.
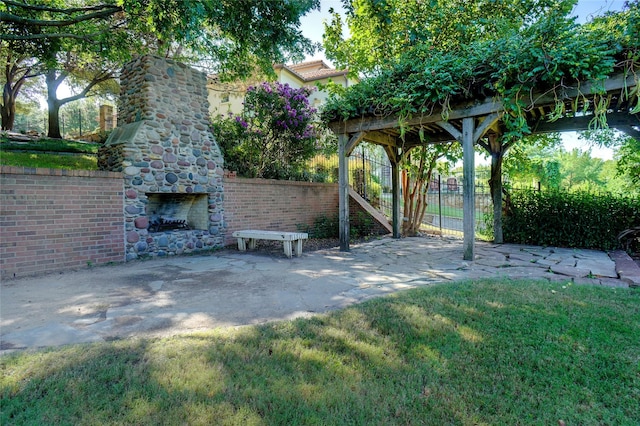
(489, 122)
(353, 143)
(481, 108)
(380, 138)
(615, 120)
(457, 134)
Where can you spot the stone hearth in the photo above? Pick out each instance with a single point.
(171, 164)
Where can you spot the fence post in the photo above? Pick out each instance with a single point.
(440, 203)
(395, 191)
(364, 176)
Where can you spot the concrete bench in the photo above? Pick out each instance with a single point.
(251, 237)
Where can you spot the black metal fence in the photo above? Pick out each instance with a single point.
(370, 176)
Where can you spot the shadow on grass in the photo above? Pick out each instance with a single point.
(470, 353)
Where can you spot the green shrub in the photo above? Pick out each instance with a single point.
(569, 219)
(362, 225)
(323, 227)
(329, 226)
(273, 137)
(325, 167)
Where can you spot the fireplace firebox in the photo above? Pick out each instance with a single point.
(177, 211)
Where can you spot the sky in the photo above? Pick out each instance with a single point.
(312, 27)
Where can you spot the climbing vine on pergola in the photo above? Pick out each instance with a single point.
(551, 75)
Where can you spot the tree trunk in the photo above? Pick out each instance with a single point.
(406, 180)
(497, 151)
(423, 203)
(495, 184)
(415, 191)
(53, 105)
(54, 120)
(54, 78)
(15, 76)
(8, 108)
(9, 93)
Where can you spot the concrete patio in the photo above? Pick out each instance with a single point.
(174, 295)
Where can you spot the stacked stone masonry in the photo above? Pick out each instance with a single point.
(164, 145)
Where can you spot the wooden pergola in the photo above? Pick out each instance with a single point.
(471, 123)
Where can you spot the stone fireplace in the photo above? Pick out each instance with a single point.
(171, 164)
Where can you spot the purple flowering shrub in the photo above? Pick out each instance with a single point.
(273, 137)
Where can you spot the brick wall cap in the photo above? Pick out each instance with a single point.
(18, 170)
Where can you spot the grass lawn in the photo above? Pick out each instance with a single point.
(432, 207)
(48, 161)
(454, 212)
(472, 353)
(42, 153)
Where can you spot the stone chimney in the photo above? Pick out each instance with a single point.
(172, 167)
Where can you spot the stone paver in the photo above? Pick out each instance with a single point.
(627, 270)
(175, 295)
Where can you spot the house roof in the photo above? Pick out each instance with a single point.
(311, 71)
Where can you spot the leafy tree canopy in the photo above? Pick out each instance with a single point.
(234, 36)
(535, 160)
(628, 157)
(476, 56)
(383, 30)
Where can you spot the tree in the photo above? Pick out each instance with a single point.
(17, 71)
(22, 65)
(534, 160)
(626, 146)
(273, 137)
(628, 156)
(94, 78)
(90, 49)
(579, 170)
(231, 36)
(383, 30)
(417, 173)
(90, 40)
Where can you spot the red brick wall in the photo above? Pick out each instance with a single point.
(274, 205)
(51, 219)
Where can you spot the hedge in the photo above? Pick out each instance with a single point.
(569, 219)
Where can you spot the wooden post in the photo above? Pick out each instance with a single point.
(395, 189)
(497, 152)
(343, 191)
(468, 197)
